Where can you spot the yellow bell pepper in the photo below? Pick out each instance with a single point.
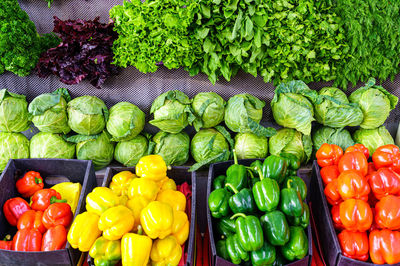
(143, 187)
(152, 167)
(180, 228)
(167, 183)
(123, 200)
(84, 231)
(136, 205)
(175, 199)
(121, 181)
(157, 219)
(116, 221)
(135, 249)
(100, 200)
(105, 252)
(166, 251)
(70, 192)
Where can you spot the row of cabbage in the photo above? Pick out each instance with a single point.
(102, 134)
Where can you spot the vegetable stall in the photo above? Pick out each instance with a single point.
(203, 132)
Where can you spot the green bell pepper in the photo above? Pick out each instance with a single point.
(298, 184)
(236, 174)
(279, 260)
(303, 220)
(218, 202)
(235, 250)
(242, 201)
(274, 167)
(292, 161)
(291, 203)
(264, 256)
(255, 167)
(276, 228)
(290, 172)
(105, 252)
(221, 249)
(225, 226)
(266, 194)
(297, 247)
(219, 182)
(249, 231)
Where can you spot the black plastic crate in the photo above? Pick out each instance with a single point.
(329, 242)
(73, 170)
(179, 174)
(217, 169)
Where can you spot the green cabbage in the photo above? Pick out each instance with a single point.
(49, 111)
(49, 145)
(97, 148)
(335, 109)
(292, 105)
(375, 103)
(250, 146)
(172, 111)
(338, 136)
(129, 152)
(209, 110)
(14, 116)
(174, 148)
(373, 138)
(87, 115)
(288, 140)
(126, 121)
(12, 146)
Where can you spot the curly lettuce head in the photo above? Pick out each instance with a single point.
(125, 122)
(12, 146)
(375, 103)
(129, 152)
(373, 138)
(14, 116)
(209, 110)
(174, 148)
(49, 145)
(338, 136)
(250, 146)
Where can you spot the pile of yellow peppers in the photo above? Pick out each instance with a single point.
(139, 219)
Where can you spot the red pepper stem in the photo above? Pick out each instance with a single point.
(237, 215)
(38, 180)
(235, 159)
(232, 187)
(54, 200)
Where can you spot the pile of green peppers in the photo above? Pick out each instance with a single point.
(259, 212)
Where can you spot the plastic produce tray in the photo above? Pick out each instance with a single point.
(74, 170)
(180, 175)
(217, 169)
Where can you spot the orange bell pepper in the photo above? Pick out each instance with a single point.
(387, 156)
(332, 193)
(335, 212)
(351, 185)
(354, 161)
(384, 182)
(27, 240)
(354, 244)
(55, 238)
(329, 173)
(384, 246)
(31, 220)
(358, 147)
(57, 214)
(29, 184)
(371, 169)
(356, 215)
(329, 154)
(387, 212)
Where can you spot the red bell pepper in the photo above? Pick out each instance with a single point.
(351, 185)
(384, 246)
(14, 208)
(55, 238)
(387, 212)
(6, 243)
(27, 240)
(384, 182)
(42, 199)
(354, 244)
(335, 212)
(328, 154)
(354, 161)
(57, 214)
(29, 184)
(356, 215)
(329, 173)
(31, 220)
(359, 147)
(371, 168)
(332, 193)
(387, 156)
